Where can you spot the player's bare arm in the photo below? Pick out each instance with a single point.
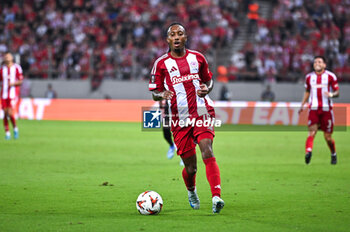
(16, 83)
(332, 94)
(303, 102)
(158, 96)
(205, 88)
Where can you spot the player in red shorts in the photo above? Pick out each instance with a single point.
(320, 87)
(182, 77)
(11, 77)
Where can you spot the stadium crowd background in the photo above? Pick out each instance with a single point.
(115, 39)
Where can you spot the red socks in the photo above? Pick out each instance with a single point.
(213, 176)
(6, 124)
(309, 144)
(190, 181)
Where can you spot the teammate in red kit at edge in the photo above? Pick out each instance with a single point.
(318, 86)
(11, 77)
(183, 78)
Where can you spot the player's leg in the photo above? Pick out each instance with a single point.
(6, 124)
(189, 175)
(167, 137)
(310, 142)
(205, 141)
(186, 149)
(189, 172)
(313, 119)
(331, 145)
(327, 124)
(13, 122)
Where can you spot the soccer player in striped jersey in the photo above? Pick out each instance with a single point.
(11, 78)
(183, 78)
(320, 87)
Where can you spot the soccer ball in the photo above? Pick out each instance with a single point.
(149, 203)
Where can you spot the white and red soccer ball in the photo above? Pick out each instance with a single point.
(149, 203)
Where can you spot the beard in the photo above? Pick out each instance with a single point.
(177, 50)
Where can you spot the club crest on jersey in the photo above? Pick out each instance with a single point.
(194, 66)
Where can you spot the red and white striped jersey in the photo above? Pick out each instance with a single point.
(183, 76)
(10, 75)
(317, 85)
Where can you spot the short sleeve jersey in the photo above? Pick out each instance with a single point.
(317, 85)
(183, 77)
(9, 75)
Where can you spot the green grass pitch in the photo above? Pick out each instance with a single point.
(50, 180)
